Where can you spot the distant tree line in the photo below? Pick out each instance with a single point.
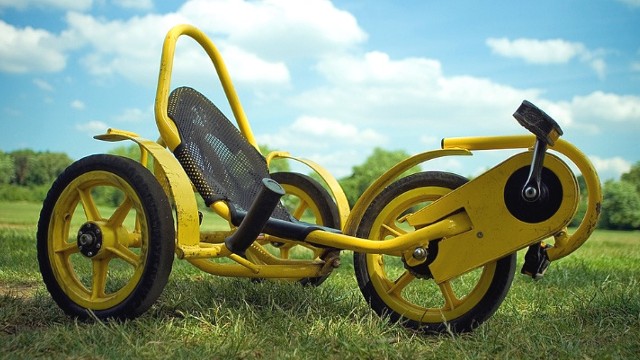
(621, 204)
(26, 175)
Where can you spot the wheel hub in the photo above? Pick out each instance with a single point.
(422, 270)
(544, 207)
(89, 239)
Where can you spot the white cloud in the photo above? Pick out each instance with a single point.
(277, 28)
(414, 103)
(78, 5)
(29, 50)
(411, 93)
(610, 168)
(132, 115)
(128, 48)
(92, 127)
(554, 51)
(334, 144)
(77, 104)
(430, 141)
(599, 106)
(377, 68)
(599, 66)
(635, 66)
(319, 133)
(43, 85)
(322, 128)
(250, 68)
(534, 51)
(135, 4)
(632, 3)
(254, 48)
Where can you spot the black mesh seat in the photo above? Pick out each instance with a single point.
(221, 163)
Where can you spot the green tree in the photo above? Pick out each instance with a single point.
(276, 165)
(7, 168)
(633, 176)
(37, 168)
(374, 166)
(620, 206)
(46, 166)
(131, 151)
(22, 160)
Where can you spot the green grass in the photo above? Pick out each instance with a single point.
(587, 306)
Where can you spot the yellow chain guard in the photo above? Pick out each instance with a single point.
(495, 232)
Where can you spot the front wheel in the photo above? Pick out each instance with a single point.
(406, 294)
(105, 238)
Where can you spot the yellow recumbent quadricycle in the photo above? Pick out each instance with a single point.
(433, 250)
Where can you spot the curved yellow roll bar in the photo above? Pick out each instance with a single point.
(167, 128)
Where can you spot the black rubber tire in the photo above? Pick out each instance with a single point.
(477, 314)
(157, 237)
(328, 211)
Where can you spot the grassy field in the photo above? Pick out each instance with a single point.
(587, 306)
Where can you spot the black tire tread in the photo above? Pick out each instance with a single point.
(486, 307)
(323, 200)
(161, 236)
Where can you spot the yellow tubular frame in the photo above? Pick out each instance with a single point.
(387, 178)
(189, 241)
(166, 127)
(564, 244)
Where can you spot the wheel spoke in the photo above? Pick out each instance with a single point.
(120, 214)
(138, 226)
(450, 299)
(297, 213)
(89, 206)
(67, 249)
(125, 254)
(394, 230)
(99, 279)
(284, 252)
(134, 240)
(401, 283)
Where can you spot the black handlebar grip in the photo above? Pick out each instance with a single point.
(538, 122)
(256, 218)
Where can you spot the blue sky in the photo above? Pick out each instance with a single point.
(330, 80)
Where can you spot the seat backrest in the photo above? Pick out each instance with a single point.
(217, 158)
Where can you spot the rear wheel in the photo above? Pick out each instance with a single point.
(308, 201)
(105, 238)
(407, 294)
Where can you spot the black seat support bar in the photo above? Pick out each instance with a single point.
(256, 218)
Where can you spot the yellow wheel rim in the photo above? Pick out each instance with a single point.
(412, 297)
(305, 209)
(107, 277)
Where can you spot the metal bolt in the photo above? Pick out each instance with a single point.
(420, 253)
(90, 253)
(480, 235)
(86, 239)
